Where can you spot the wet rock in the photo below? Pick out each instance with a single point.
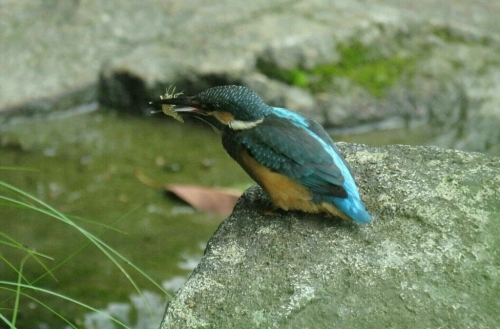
(429, 259)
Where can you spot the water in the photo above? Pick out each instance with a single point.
(85, 166)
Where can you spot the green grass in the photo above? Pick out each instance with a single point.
(25, 288)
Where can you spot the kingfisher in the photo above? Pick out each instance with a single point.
(291, 157)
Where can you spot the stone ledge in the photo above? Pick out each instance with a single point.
(429, 259)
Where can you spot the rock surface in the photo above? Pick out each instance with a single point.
(430, 259)
(435, 61)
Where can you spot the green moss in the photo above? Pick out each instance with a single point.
(374, 75)
(359, 63)
(450, 35)
(295, 77)
(446, 34)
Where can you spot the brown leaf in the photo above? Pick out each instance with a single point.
(214, 200)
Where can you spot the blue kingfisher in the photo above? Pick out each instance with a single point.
(291, 157)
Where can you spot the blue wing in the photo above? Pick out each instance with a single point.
(293, 152)
(301, 149)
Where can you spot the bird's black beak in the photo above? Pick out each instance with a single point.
(189, 104)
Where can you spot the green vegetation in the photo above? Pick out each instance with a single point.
(25, 288)
(374, 74)
(449, 34)
(86, 166)
(358, 62)
(295, 77)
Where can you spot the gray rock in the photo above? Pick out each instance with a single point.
(280, 94)
(58, 55)
(349, 105)
(475, 123)
(430, 259)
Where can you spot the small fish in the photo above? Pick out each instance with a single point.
(169, 109)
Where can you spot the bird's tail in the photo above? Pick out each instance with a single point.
(353, 208)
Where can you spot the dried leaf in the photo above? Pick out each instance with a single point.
(214, 200)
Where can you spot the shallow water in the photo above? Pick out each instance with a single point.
(85, 166)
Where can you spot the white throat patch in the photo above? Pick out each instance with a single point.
(243, 125)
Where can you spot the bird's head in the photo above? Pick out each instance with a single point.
(236, 107)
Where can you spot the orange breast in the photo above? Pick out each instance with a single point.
(285, 193)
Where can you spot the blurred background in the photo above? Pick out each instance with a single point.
(76, 131)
